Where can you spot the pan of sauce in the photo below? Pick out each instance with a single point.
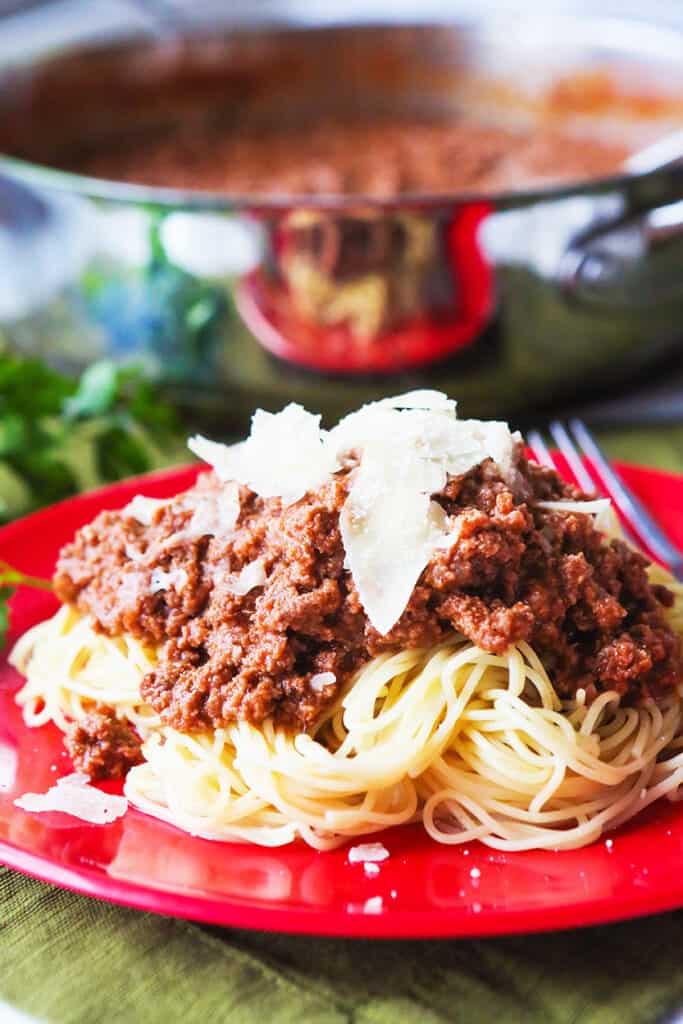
(323, 214)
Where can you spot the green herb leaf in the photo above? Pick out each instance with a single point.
(15, 578)
(29, 388)
(59, 436)
(5, 594)
(12, 434)
(96, 392)
(10, 579)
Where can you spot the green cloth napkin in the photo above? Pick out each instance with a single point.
(72, 960)
(67, 959)
(656, 447)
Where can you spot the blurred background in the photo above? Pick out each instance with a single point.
(208, 207)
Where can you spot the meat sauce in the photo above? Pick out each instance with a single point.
(517, 572)
(384, 157)
(102, 745)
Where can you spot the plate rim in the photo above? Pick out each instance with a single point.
(389, 925)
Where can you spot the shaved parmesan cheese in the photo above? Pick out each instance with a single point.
(133, 554)
(589, 507)
(160, 580)
(74, 795)
(215, 515)
(421, 399)
(252, 575)
(403, 450)
(390, 528)
(451, 445)
(285, 455)
(225, 460)
(143, 509)
(601, 508)
(608, 522)
(131, 586)
(320, 680)
(388, 543)
(367, 852)
(495, 441)
(385, 430)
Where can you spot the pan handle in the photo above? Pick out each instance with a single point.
(631, 263)
(634, 261)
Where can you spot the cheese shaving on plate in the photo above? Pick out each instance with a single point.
(368, 852)
(74, 795)
(403, 450)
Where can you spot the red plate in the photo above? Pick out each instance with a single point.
(425, 889)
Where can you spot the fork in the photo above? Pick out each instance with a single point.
(576, 438)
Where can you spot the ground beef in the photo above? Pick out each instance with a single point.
(517, 572)
(380, 157)
(103, 746)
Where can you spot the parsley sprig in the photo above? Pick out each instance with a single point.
(10, 579)
(60, 435)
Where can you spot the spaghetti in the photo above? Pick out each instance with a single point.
(70, 668)
(474, 745)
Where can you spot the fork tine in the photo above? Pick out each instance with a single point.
(539, 448)
(568, 448)
(631, 509)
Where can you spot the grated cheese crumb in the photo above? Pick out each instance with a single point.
(215, 515)
(374, 905)
(160, 580)
(143, 509)
(132, 554)
(320, 680)
(252, 575)
(367, 852)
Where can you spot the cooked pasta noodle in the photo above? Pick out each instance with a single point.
(70, 667)
(474, 745)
